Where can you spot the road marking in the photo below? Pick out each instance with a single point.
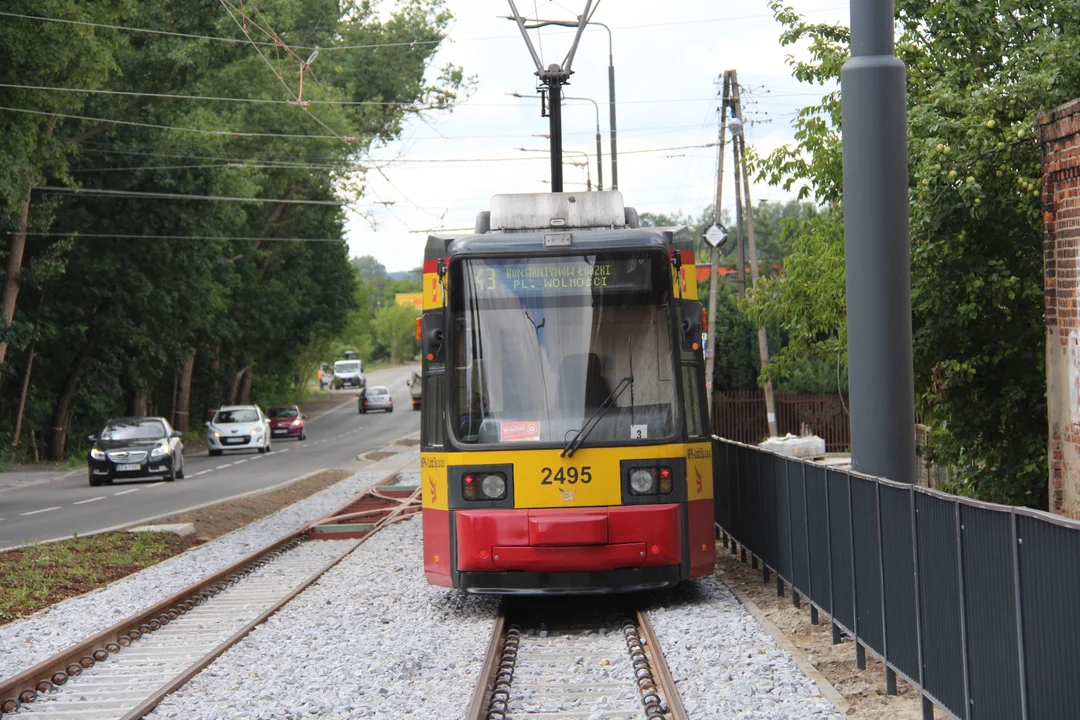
(202, 472)
(125, 492)
(283, 451)
(93, 499)
(223, 466)
(239, 462)
(35, 512)
(154, 484)
(257, 457)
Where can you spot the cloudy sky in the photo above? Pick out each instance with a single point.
(668, 58)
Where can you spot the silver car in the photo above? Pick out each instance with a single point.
(376, 397)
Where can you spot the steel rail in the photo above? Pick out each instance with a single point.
(183, 678)
(53, 672)
(485, 683)
(496, 677)
(661, 671)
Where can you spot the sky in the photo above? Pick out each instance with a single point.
(668, 58)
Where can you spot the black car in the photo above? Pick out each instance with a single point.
(135, 447)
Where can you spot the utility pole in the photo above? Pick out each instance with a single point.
(710, 347)
(876, 248)
(738, 143)
(740, 270)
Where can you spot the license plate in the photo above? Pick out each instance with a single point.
(233, 441)
(280, 432)
(128, 467)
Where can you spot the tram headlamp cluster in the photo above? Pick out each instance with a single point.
(650, 481)
(483, 486)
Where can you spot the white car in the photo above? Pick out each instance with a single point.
(238, 427)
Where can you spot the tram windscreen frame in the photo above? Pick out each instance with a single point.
(539, 343)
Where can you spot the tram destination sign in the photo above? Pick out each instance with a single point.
(566, 276)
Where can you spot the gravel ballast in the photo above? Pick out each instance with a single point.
(25, 643)
(371, 639)
(725, 664)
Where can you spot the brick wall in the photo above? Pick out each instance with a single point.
(1059, 135)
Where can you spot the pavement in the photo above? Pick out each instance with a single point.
(45, 506)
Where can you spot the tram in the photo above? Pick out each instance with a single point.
(565, 443)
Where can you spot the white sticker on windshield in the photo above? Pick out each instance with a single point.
(639, 432)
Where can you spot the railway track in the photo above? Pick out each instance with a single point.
(124, 672)
(550, 658)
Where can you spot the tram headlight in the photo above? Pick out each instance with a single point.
(650, 481)
(642, 481)
(483, 486)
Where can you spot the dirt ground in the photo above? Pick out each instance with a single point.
(216, 520)
(864, 690)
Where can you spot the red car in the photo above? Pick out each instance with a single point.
(286, 421)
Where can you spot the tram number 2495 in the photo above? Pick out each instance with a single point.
(570, 475)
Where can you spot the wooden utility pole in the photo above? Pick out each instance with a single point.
(739, 149)
(710, 347)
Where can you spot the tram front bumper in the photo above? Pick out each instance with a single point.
(571, 550)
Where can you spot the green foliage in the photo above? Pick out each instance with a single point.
(395, 328)
(977, 75)
(115, 319)
(807, 300)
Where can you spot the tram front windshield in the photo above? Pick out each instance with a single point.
(541, 343)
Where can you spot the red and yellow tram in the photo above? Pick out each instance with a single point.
(565, 441)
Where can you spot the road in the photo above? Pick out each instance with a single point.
(66, 506)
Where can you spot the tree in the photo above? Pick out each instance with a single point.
(31, 151)
(395, 328)
(174, 306)
(977, 74)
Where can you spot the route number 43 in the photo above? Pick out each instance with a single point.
(568, 476)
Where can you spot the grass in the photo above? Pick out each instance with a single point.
(36, 576)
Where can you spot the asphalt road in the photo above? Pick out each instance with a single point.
(68, 505)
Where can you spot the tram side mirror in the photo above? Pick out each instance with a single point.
(433, 336)
(691, 325)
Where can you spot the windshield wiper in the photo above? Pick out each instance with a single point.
(571, 447)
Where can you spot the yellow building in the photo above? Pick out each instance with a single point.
(415, 300)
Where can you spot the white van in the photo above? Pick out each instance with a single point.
(349, 373)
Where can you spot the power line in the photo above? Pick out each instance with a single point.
(277, 162)
(226, 133)
(215, 38)
(243, 28)
(77, 235)
(181, 196)
(170, 96)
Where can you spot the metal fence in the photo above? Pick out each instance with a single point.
(740, 415)
(974, 604)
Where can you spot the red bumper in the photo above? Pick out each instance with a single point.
(579, 539)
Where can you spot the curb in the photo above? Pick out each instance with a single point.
(828, 691)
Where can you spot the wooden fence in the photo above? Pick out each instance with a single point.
(740, 415)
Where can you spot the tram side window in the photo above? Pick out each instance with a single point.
(434, 430)
(692, 396)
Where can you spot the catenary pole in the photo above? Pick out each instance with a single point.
(876, 243)
(714, 266)
(739, 145)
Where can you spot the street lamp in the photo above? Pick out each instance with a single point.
(599, 158)
(599, 152)
(611, 82)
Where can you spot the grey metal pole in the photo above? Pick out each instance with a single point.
(876, 241)
(554, 86)
(614, 150)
